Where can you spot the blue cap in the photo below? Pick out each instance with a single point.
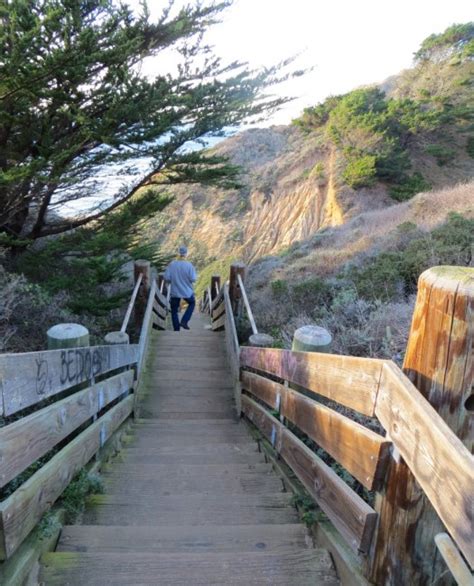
(183, 251)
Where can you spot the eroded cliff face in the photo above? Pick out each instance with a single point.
(290, 192)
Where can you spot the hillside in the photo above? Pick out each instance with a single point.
(361, 152)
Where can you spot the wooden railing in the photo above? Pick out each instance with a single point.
(49, 414)
(291, 398)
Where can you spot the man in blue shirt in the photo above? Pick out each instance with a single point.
(182, 275)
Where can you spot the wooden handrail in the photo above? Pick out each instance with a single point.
(128, 313)
(247, 305)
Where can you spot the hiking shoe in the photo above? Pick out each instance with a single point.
(184, 326)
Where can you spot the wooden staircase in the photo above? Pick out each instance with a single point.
(191, 500)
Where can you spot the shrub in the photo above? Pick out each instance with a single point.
(409, 187)
(442, 154)
(470, 146)
(360, 172)
(279, 288)
(310, 293)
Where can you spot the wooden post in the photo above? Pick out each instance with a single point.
(439, 361)
(311, 339)
(162, 285)
(67, 336)
(141, 267)
(237, 268)
(261, 340)
(215, 280)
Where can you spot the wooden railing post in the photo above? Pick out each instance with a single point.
(141, 267)
(439, 362)
(235, 294)
(215, 286)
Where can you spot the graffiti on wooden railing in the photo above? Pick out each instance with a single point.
(78, 364)
(41, 376)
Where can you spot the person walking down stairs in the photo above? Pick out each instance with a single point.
(181, 275)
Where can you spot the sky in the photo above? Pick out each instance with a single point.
(348, 42)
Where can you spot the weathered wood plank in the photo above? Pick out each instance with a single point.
(159, 321)
(268, 391)
(353, 518)
(305, 567)
(128, 313)
(26, 379)
(219, 310)
(362, 452)
(216, 301)
(219, 323)
(26, 440)
(161, 298)
(350, 381)
(159, 310)
(440, 462)
(454, 561)
(22, 510)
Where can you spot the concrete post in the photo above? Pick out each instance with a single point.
(67, 336)
(117, 338)
(311, 339)
(261, 340)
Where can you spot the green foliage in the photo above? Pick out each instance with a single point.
(311, 292)
(75, 100)
(442, 154)
(217, 267)
(74, 497)
(87, 264)
(360, 172)
(377, 134)
(279, 288)
(392, 274)
(409, 186)
(456, 41)
(470, 146)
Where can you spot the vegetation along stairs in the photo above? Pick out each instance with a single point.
(191, 499)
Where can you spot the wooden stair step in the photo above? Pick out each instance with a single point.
(197, 404)
(301, 567)
(184, 416)
(208, 448)
(194, 376)
(156, 434)
(196, 459)
(154, 486)
(187, 539)
(187, 470)
(238, 509)
(184, 362)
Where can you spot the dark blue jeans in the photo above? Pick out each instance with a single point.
(174, 304)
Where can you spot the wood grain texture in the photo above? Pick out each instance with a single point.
(218, 323)
(26, 440)
(353, 518)
(22, 510)
(216, 300)
(362, 452)
(454, 561)
(187, 539)
(350, 381)
(436, 457)
(219, 310)
(159, 310)
(26, 379)
(304, 568)
(268, 391)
